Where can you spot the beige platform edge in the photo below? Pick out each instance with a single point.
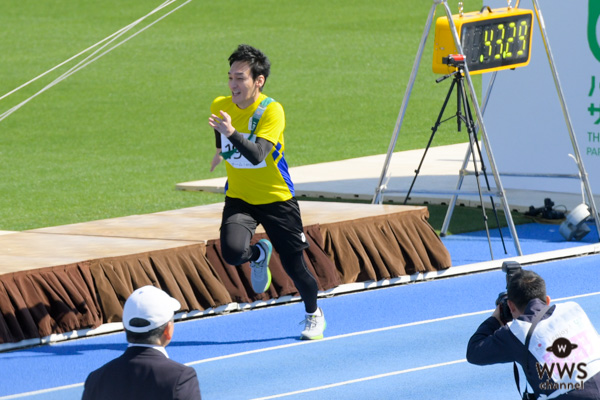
(357, 179)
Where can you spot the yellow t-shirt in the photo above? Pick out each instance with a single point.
(270, 180)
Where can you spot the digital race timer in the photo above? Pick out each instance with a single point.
(492, 40)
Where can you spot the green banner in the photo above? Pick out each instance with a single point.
(593, 15)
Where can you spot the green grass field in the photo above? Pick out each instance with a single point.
(114, 138)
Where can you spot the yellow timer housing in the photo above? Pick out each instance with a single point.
(492, 40)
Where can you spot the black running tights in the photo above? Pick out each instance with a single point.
(236, 249)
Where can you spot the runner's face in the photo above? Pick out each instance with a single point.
(244, 89)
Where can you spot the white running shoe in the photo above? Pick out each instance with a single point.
(260, 275)
(313, 327)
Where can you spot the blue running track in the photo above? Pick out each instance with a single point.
(401, 342)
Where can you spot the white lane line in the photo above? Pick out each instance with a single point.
(368, 378)
(387, 328)
(308, 342)
(36, 392)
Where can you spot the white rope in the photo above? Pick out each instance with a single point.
(75, 56)
(82, 64)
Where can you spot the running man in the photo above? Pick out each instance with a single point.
(249, 129)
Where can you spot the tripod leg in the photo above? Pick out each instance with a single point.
(434, 129)
(453, 200)
(459, 103)
(485, 176)
(471, 132)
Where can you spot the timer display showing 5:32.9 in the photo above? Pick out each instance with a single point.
(493, 40)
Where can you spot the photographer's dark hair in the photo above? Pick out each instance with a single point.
(150, 337)
(258, 61)
(525, 286)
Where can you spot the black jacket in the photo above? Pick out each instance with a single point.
(142, 373)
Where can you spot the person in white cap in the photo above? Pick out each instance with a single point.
(145, 371)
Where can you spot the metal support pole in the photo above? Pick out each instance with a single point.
(381, 186)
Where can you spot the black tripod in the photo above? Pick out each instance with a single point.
(467, 119)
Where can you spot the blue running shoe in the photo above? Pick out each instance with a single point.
(260, 274)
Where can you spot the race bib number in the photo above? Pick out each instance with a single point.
(237, 160)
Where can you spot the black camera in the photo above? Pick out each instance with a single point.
(546, 211)
(454, 60)
(511, 268)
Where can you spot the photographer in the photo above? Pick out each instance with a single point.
(567, 370)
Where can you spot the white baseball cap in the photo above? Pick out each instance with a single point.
(151, 305)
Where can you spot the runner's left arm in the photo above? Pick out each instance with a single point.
(255, 152)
